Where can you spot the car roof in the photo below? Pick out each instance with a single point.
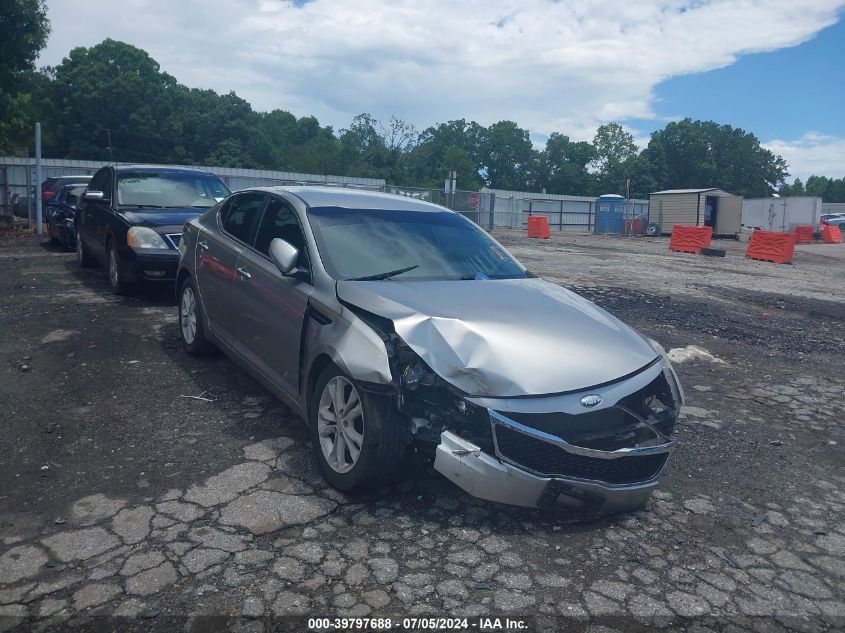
(160, 168)
(347, 198)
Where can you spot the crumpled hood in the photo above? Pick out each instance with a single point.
(505, 338)
(161, 217)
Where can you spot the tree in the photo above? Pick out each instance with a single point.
(451, 146)
(114, 95)
(615, 155)
(507, 157)
(691, 154)
(795, 189)
(25, 28)
(563, 166)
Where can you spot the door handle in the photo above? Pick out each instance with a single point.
(203, 245)
(244, 273)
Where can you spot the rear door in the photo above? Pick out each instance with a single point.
(217, 253)
(272, 306)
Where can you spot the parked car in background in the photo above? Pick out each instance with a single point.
(833, 219)
(51, 187)
(130, 219)
(61, 216)
(49, 190)
(387, 322)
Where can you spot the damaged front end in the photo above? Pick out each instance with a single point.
(547, 452)
(601, 449)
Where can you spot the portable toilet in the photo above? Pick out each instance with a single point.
(610, 213)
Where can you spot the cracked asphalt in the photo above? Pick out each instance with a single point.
(142, 489)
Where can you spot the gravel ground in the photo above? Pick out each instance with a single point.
(121, 496)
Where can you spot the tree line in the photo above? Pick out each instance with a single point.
(112, 101)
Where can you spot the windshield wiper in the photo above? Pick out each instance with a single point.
(386, 275)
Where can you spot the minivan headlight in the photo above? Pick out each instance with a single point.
(144, 237)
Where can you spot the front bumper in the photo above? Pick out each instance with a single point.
(487, 477)
(159, 266)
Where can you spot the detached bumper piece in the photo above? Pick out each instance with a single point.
(533, 468)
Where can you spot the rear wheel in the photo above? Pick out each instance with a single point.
(191, 329)
(55, 242)
(359, 438)
(82, 255)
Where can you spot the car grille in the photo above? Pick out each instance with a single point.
(175, 239)
(548, 459)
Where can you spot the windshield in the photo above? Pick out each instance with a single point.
(169, 189)
(406, 245)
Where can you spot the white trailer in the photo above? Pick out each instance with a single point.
(781, 214)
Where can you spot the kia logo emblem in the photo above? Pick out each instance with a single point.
(591, 401)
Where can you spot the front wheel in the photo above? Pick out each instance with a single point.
(118, 284)
(359, 438)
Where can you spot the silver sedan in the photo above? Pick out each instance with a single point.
(386, 322)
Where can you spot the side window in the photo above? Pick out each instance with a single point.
(100, 182)
(280, 221)
(241, 214)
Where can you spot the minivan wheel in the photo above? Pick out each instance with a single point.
(191, 330)
(116, 281)
(359, 439)
(55, 242)
(82, 255)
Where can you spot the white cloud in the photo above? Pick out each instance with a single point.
(550, 66)
(813, 153)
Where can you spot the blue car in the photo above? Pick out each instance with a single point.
(61, 216)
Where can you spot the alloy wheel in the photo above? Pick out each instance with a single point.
(340, 424)
(188, 314)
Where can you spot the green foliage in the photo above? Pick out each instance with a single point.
(112, 101)
(25, 28)
(829, 189)
(690, 154)
(506, 156)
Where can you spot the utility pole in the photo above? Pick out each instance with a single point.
(38, 201)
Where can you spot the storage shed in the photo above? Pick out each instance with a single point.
(696, 207)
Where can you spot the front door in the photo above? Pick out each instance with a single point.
(272, 306)
(94, 215)
(217, 253)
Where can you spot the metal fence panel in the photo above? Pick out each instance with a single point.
(17, 177)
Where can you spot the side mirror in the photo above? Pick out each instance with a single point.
(284, 255)
(94, 195)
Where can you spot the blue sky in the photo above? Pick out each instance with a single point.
(777, 95)
(771, 67)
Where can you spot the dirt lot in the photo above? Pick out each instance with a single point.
(121, 496)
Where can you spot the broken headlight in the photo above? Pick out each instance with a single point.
(434, 404)
(669, 370)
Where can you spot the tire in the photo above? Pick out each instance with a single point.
(82, 255)
(116, 276)
(652, 230)
(380, 432)
(54, 241)
(191, 328)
